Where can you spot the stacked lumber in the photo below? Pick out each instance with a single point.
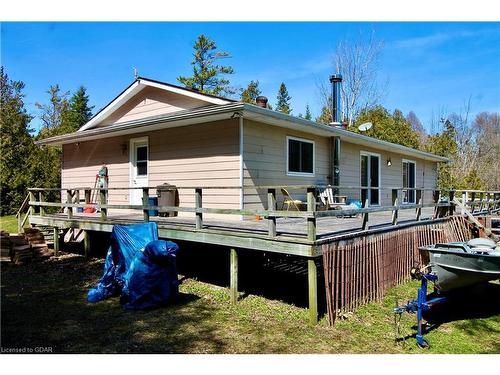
(21, 249)
(5, 245)
(39, 247)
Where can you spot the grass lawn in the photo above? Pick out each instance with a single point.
(8, 223)
(44, 305)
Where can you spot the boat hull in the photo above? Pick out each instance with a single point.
(460, 269)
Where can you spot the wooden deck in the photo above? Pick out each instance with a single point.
(291, 232)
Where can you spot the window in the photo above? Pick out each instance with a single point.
(408, 181)
(142, 160)
(300, 157)
(370, 178)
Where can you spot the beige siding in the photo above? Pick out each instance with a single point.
(264, 161)
(198, 155)
(151, 102)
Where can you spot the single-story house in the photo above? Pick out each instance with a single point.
(154, 133)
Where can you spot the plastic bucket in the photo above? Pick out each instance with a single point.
(153, 201)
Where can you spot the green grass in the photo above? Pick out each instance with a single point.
(8, 223)
(44, 304)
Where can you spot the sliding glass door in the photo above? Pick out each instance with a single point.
(370, 178)
(408, 181)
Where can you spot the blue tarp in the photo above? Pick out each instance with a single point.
(139, 267)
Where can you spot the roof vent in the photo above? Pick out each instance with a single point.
(261, 101)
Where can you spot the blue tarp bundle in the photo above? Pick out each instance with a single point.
(139, 267)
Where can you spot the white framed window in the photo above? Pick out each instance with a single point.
(370, 176)
(409, 181)
(300, 157)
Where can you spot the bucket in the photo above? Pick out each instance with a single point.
(153, 201)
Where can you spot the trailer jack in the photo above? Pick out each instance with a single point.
(421, 304)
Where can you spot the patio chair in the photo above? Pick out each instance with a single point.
(288, 200)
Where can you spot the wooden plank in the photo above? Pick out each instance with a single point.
(198, 202)
(233, 269)
(312, 278)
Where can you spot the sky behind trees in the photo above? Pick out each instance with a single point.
(427, 67)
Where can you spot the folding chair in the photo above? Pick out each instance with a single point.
(288, 200)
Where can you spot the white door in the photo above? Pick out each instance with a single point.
(139, 168)
(370, 178)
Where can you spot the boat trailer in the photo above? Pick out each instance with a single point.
(420, 304)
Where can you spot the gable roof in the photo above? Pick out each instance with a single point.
(140, 84)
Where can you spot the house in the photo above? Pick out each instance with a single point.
(154, 133)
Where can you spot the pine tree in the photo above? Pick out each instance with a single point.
(16, 144)
(326, 115)
(78, 114)
(283, 100)
(52, 114)
(308, 115)
(251, 93)
(206, 73)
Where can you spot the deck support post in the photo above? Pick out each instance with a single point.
(395, 204)
(56, 241)
(145, 203)
(86, 244)
(364, 225)
(103, 200)
(233, 270)
(271, 206)
(436, 197)
(311, 221)
(198, 203)
(312, 274)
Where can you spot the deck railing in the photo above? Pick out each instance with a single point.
(442, 203)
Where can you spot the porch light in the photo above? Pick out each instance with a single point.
(389, 162)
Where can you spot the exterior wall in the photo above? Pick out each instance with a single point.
(199, 155)
(264, 163)
(152, 102)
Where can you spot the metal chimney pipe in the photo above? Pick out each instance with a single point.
(336, 81)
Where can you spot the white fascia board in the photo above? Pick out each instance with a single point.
(113, 106)
(187, 93)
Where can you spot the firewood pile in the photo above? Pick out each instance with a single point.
(24, 247)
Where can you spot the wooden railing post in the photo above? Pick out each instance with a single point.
(481, 201)
(364, 224)
(488, 202)
(198, 203)
(436, 197)
(69, 199)
(56, 241)
(31, 210)
(271, 206)
(473, 201)
(452, 205)
(464, 202)
(145, 203)
(311, 221)
(40, 198)
(76, 198)
(395, 204)
(103, 200)
(420, 201)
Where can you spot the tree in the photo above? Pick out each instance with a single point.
(52, 113)
(357, 62)
(392, 128)
(283, 100)
(78, 114)
(15, 143)
(251, 93)
(417, 127)
(326, 115)
(486, 128)
(206, 73)
(308, 115)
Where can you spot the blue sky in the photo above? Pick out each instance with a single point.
(429, 67)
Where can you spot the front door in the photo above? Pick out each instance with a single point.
(139, 168)
(370, 178)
